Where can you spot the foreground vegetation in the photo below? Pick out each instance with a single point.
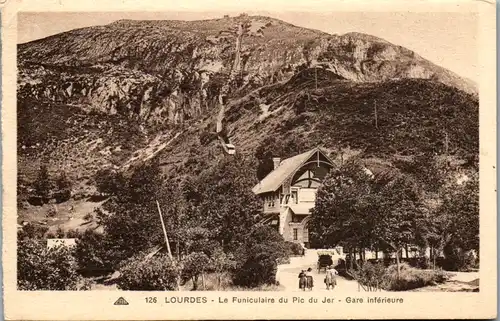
(377, 276)
(212, 229)
(419, 205)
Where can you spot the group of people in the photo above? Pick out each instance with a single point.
(306, 280)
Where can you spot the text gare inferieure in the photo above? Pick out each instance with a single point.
(274, 300)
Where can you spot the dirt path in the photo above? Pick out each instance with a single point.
(288, 275)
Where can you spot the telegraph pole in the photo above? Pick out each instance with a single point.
(168, 245)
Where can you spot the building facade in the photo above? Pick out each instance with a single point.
(289, 192)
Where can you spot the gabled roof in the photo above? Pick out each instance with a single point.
(287, 167)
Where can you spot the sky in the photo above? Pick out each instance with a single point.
(448, 39)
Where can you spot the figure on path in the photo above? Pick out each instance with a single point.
(302, 280)
(310, 281)
(331, 277)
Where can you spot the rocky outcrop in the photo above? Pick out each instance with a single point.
(170, 71)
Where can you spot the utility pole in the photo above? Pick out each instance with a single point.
(164, 231)
(168, 248)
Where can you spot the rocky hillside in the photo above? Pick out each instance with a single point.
(130, 91)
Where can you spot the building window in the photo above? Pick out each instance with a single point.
(295, 234)
(295, 197)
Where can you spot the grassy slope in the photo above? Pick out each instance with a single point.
(413, 117)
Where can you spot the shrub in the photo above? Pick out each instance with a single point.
(283, 260)
(456, 259)
(207, 137)
(258, 258)
(62, 196)
(109, 182)
(155, 274)
(39, 268)
(51, 212)
(58, 234)
(218, 281)
(63, 186)
(221, 262)
(88, 217)
(294, 248)
(378, 276)
(411, 278)
(370, 274)
(259, 269)
(32, 231)
(194, 265)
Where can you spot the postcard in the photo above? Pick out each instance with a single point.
(252, 160)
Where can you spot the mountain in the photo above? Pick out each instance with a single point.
(131, 91)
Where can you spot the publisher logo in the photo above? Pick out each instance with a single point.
(121, 301)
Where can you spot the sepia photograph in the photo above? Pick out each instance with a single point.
(252, 160)
(245, 152)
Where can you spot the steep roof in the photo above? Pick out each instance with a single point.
(287, 167)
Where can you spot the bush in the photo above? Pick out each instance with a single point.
(294, 248)
(456, 259)
(258, 270)
(258, 258)
(194, 265)
(411, 278)
(52, 212)
(221, 263)
(155, 274)
(370, 274)
(207, 137)
(109, 182)
(284, 260)
(88, 217)
(378, 276)
(32, 231)
(39, 268)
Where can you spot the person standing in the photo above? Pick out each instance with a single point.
(310, 280)
(302, 280)
(331, 277)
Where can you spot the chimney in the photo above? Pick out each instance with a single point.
(276, 161)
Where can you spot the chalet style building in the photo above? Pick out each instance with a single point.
(289, 192)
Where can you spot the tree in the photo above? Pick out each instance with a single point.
(39, 268)
(341, 214)
(454, 223)
(132, 224)
(62, 182)
(92, 252)
(227, 205)
(42, 184)
(110, 182)
(461, 205)
(355, 210)
(397, 214)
